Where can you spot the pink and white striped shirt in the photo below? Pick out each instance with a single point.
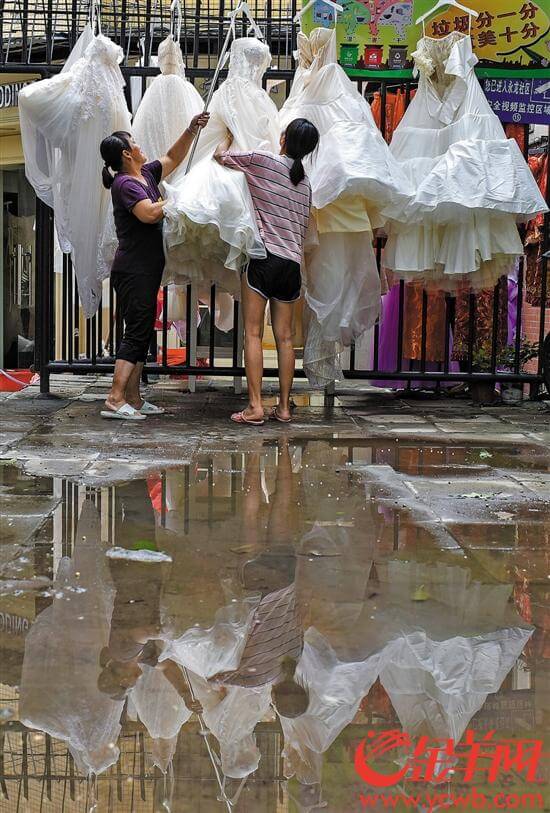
(282, 209)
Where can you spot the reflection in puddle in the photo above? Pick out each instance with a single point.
(258, 613)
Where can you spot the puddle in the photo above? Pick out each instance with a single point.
(144, 625)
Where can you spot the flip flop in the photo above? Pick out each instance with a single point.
(123, 413)
(240, 417)
(151, 409)
(276, 417)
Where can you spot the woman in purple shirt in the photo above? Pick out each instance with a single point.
(139, 261)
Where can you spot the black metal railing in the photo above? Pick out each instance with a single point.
(66, 342)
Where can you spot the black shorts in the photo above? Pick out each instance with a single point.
(275, 278)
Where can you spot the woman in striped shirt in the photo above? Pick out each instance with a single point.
(281, 194)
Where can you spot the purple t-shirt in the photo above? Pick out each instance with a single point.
(139, 244)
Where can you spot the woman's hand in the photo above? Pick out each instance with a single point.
(179, 150)
(223, 147)
(198, 123)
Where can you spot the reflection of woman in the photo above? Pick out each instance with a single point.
(139, 260)
(135, 638)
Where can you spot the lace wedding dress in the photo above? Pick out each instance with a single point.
(63, 120)
(471, 184)
(352, 175)
(210, 228)
(167, 106)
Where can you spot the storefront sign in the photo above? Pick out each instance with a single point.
(9, 94)
(13, 624)
(522, 101)
(372, 33)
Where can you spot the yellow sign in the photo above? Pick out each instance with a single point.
(382, 33)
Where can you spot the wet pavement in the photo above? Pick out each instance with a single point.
(199, 618)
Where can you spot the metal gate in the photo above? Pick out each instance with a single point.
(37, 38)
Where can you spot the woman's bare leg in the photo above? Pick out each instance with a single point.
(132, 387)
(253, 315)
(281, 321)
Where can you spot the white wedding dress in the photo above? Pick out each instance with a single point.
(352, 175)
(210, 228)
(167, 106)
(471, 184)
(63, 120)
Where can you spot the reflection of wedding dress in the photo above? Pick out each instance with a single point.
(210, 228)
(352, 174)
(446, 654)
(436, 687)
(64, 644)
(471, 183)
(336, 689)
(63, 120)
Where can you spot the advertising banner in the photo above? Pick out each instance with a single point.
(382, 35)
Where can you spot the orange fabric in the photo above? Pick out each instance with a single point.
(517, 131)
(435, 324)
(395, 110)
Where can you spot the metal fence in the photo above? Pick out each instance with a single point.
(37, 37)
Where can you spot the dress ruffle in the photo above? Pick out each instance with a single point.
(210, 227)
(471, 184)
(210, 230)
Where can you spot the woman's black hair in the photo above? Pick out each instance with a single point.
(301, 138)
(111, 149)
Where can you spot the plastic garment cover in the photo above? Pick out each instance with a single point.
(65, 641)
(217, 649)
(471, 183)
(63, 120)
(158, 705)
(352, 174)
(166, 109)
(232, 721)
(342, 292)
(210, 228)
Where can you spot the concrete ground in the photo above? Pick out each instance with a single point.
(414, 531)
(64, 435)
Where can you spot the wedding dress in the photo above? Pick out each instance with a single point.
(167, 106)
(471, 183)
(63, 120)
(352, 175)
(210, 228)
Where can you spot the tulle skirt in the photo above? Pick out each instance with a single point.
(342, 300)
(210, 228)
(475, 251)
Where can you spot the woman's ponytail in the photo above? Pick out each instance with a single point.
(107, 177)
(111, 149)
(297, 172)
(301, 138)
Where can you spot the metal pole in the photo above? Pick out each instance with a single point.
(44, 285)
(219, 66)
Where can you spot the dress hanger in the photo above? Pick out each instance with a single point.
(442, 4)
(336, 7)
(95, 16)
(175, 20)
